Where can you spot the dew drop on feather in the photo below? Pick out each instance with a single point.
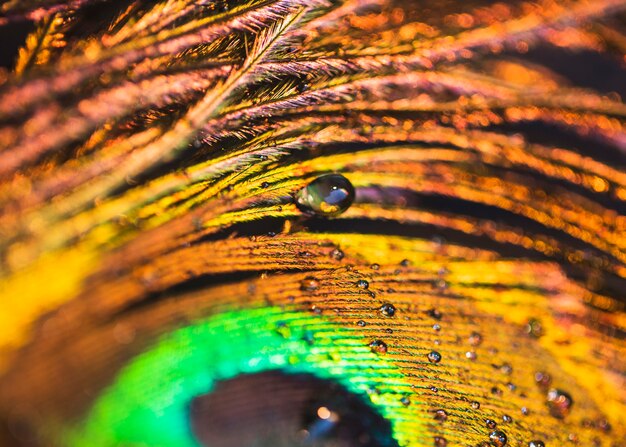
(362, 284)
(388, 310)
(441, 415)
(309, 284)
(434, 357)
(498, 438)
(378, 347)
(559, 402)
(328, 195)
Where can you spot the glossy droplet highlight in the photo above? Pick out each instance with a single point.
(328, 195)
(560, 403)
(388, 310)
(441, 415)
(362, 284)
(434, 357)
(536, 444)
(534, 328)
(498, 438)
(337, 254)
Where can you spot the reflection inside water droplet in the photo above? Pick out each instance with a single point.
(498, 438)
(434, 357)
(328, 195)
(559, 403)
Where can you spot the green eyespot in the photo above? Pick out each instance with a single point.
(149, 402)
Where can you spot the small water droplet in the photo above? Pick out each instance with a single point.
(441, 415)
(362, 284)
(337, 254)
(441, 284)
(375, 266)
(378, 347)
(440, 442)
(361, 323)
(543, 380)
(388, 310)
(536, 444)
(506, 418)
(506, 368)
(434, 313)
(470, 355)
(405, 263)
(434, 389)
(327, 195)
(603, 425)
(475, 339)
(434, 357)
(534, 328)
(265, 185)
(405, 401)
(436, 327)
(525, 411)
(559, 402)
(490, 423)
(498, 438)
(309, 284)
(475, 405)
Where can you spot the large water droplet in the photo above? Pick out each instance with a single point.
(498, 438)
(559, 402)
(327, 195)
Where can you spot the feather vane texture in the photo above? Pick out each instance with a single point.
(150, 153)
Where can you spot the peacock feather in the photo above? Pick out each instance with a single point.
(330, 223)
